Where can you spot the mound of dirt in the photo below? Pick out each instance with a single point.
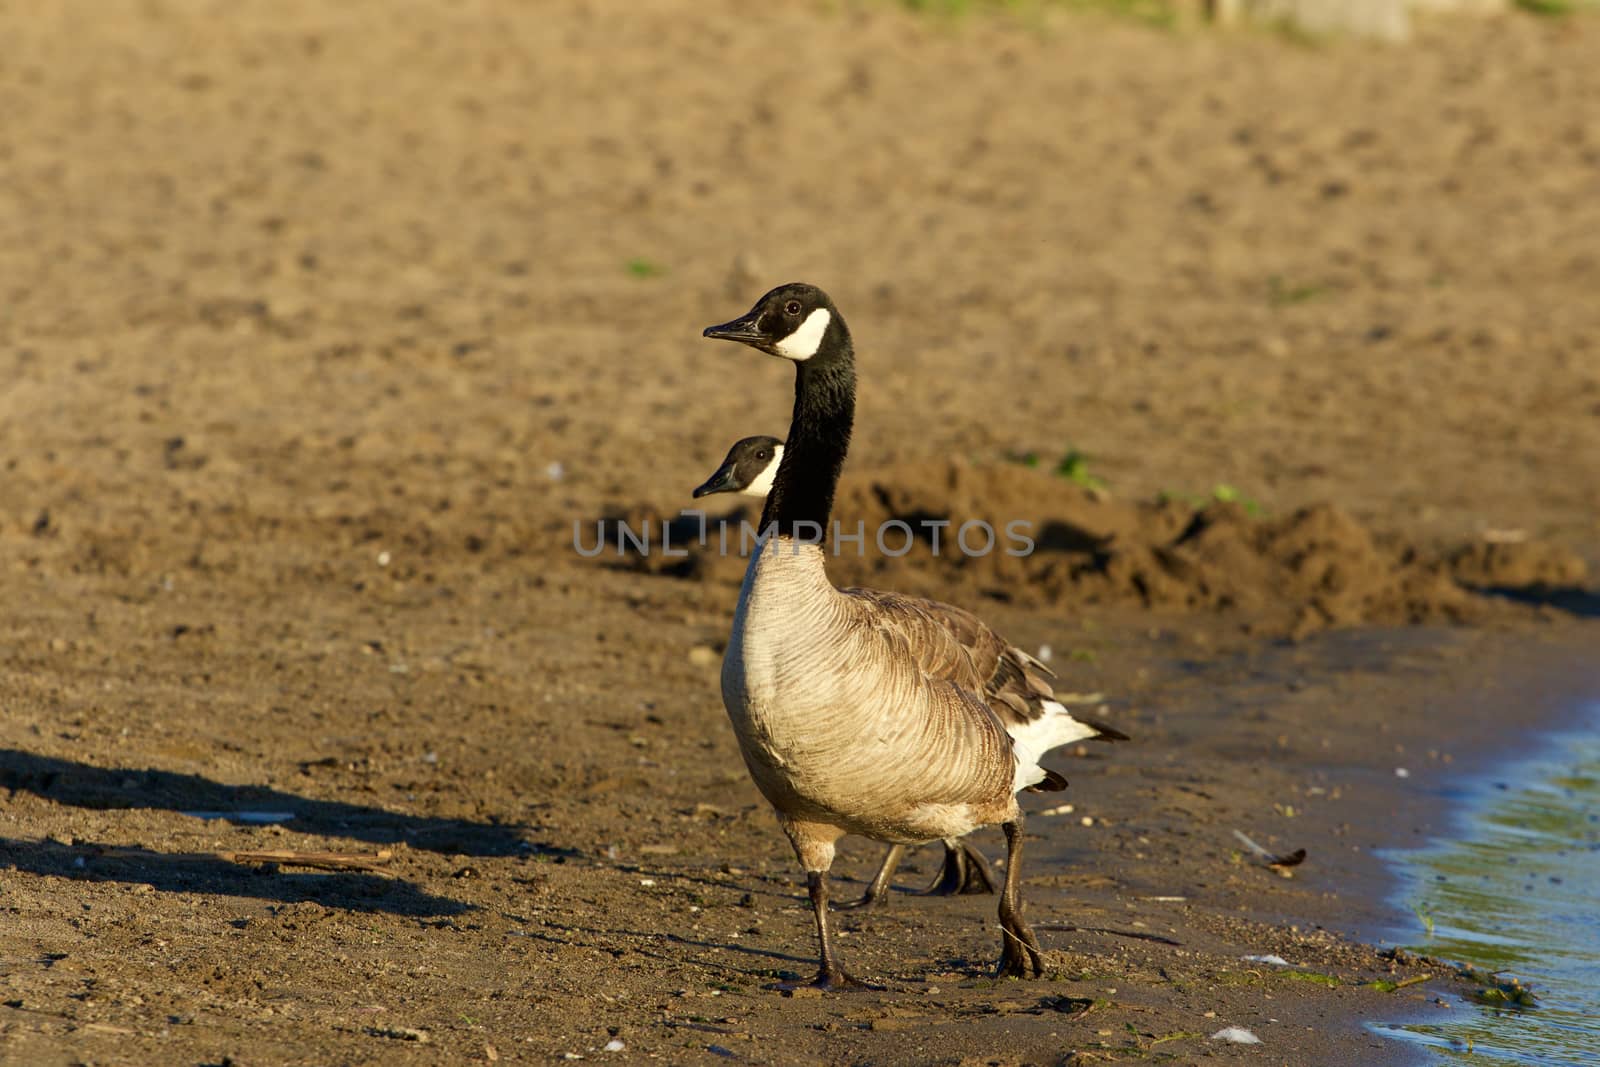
(1016, 534)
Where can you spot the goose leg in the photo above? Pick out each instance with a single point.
(830, 975)
(813, 844)
(1020, 956)
(965, 871)
(877, 893)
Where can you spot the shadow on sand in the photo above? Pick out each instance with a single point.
(81, 785)
(1583, 603)
(202, 873)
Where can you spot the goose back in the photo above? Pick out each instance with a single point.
(955, 644)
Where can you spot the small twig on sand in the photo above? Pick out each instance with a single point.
(326, 861)
(1069, 928)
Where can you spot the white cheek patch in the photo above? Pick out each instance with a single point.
(804, 342)
(762, 484)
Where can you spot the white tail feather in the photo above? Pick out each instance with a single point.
(1056, 727)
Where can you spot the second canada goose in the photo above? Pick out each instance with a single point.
(1016, 684)
(748, 469)
(858, 711)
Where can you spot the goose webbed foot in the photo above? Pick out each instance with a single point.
(965, 871)
(838, 980)
(1020, 955)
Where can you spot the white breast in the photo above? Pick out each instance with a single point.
(776, 669)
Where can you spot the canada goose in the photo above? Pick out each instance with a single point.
(748, 469)
(858, 711)
(1014, 683)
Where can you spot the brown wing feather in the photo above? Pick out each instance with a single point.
(941, 650)
(959, 724)
(954, 644)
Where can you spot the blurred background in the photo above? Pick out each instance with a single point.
(313, 259)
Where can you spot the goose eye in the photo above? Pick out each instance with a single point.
(792, 308)
(763, 454)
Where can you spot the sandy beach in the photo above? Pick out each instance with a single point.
(328, 330)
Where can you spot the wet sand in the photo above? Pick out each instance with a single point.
(323, 331)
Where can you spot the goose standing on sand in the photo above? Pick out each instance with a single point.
(859, 712)
(1016, 686)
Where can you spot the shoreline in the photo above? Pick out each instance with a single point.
(1547, 697)
(1560, 709)
(1476, 675)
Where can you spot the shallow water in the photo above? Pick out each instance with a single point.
(1516, 889)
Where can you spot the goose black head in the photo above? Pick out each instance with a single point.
(795, 321)
(749, 468)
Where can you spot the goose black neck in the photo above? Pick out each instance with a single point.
(819, 437)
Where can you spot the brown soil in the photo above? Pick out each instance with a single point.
(322, 335)
(1043, 542)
